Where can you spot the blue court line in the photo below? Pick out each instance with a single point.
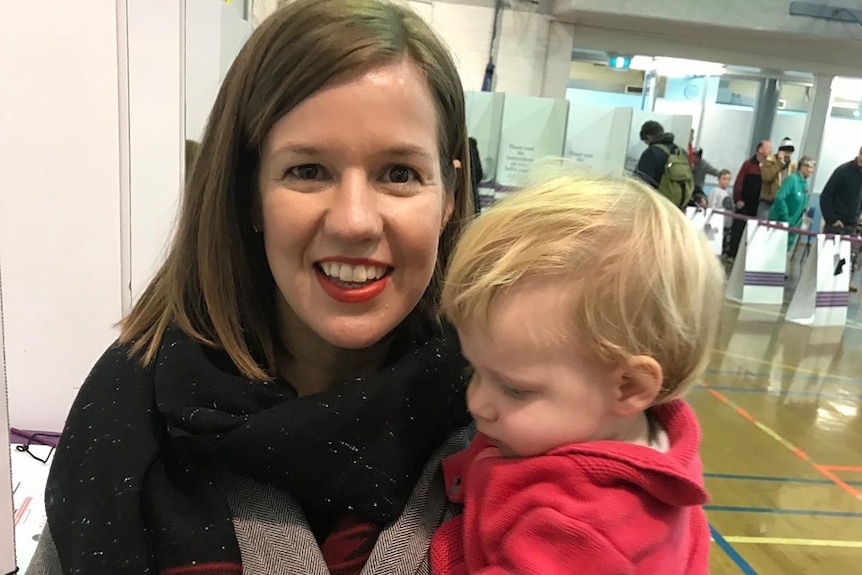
(728, 549)
(802, 376)
(812, 481)
(774, 511)
(783, 393)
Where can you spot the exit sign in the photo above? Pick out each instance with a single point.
(619, 63)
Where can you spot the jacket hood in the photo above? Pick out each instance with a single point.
(666, 138)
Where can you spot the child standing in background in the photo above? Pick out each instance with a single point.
(721, 198)
(583, 331)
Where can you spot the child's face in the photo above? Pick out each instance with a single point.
(532, 390)
(724, 181)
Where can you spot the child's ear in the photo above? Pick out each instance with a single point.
(639, 381)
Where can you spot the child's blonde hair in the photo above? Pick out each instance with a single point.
(647, 281)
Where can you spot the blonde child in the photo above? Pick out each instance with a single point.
(580, 306)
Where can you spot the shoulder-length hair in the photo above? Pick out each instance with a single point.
(215, 283)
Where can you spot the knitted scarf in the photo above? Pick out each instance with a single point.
(129, 490)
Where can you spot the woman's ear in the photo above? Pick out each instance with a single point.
(639, 382)
(449, 206)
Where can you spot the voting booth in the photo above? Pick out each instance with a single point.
(532, 128)
(679, 126)
(710, 224)
(823, 292)
(597, 139)
(760, 265)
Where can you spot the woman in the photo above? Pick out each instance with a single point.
(791, 201)
(280, 397)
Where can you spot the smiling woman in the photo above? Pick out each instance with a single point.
(281, 395)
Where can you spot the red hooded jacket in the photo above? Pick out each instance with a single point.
(601, 508)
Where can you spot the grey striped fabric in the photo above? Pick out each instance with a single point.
(274, 537)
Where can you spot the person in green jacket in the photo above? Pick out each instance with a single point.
(792, 198)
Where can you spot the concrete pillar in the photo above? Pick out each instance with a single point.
(818, 113)
(764, 111)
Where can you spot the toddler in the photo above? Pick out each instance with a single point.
(580, 307)
(721, 198)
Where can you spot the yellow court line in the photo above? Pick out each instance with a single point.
(738, 539)
(851, 490)
(783, 366)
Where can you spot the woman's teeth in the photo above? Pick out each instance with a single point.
(350, 273)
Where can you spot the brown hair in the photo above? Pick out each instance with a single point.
(215, 284)
(723, 173)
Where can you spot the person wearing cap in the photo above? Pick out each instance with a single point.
(792, 200)
(773, 170)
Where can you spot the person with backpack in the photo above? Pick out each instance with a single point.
(664, 165)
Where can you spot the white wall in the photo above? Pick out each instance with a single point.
(60, 234)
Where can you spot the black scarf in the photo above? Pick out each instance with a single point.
(129, 492)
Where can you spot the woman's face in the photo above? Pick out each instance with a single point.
(353, 204)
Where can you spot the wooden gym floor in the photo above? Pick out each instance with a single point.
(782, 446)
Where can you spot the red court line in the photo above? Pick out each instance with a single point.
(847, 468)
(825, 471)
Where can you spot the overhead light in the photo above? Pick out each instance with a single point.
(847, 88)
(643, 63)
(677, 67)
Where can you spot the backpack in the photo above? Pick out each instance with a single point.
(677, 181)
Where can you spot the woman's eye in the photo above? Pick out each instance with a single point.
(305, 172)
(400, 175)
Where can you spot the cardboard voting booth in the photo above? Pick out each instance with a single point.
(484, 121)
(760, 265)
(823, 292)
(533, 128)
(597, 139)
(710, 224)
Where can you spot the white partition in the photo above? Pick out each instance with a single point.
(760, 266)
(156, 123)
(679, 126)
(7, 511)
(60, 200)
(823, 292)
(710, 224)
(597, 138)
(484, 122)
(533, 128)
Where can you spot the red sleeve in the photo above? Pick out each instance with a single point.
(737, 185)
(546, 542)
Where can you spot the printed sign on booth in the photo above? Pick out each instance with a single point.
(533, 128)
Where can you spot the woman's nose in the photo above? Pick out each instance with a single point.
(354, 214)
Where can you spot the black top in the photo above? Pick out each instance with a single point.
(842, 196)
(653, 161)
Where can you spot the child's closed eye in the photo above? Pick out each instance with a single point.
(517, 392)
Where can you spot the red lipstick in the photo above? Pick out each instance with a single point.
(364, 293)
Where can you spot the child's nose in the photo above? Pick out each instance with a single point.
(480, 403)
